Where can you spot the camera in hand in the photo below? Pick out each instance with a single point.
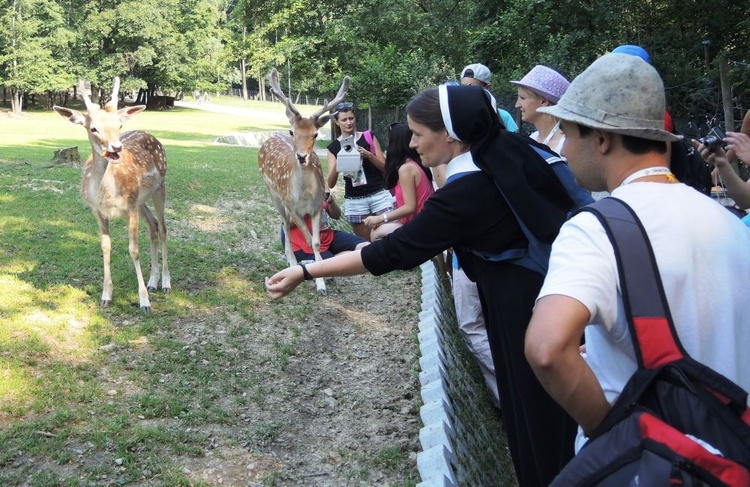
(348, 159)
(713, 140)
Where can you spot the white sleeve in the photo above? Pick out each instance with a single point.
(582, 266)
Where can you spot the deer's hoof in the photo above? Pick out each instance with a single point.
(166, 289)
(323, 292)
(151, 289)
(146, 309)
(105, 303)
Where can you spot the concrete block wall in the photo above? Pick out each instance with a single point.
(462, 439)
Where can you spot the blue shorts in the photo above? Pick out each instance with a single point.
(357, 209)
(342, 241)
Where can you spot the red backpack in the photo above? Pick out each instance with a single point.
(677, 421)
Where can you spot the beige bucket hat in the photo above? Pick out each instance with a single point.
(618, 93)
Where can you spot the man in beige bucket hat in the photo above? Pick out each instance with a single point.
(612, 115)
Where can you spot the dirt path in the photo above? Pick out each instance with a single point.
(343, 410)
(340, 395)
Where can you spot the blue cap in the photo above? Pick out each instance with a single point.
(633, 51)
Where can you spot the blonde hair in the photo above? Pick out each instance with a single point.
(533, 94)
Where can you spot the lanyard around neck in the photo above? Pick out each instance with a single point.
(651, 171)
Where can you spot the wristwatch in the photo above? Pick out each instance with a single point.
(385, 217)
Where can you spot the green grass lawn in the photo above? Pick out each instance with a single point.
(115, 396)
(52, 329)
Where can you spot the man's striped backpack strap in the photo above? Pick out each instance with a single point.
(677, 421)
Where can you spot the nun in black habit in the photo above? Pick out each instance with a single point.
(500, 209)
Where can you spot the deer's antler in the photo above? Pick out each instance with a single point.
(291, 110)
(339, 98)
(85, 95)
(112, 103)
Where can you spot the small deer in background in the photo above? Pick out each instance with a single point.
(293, 174)
(122, 173)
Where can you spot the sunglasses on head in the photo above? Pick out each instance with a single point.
(390, 127)
(344, 105)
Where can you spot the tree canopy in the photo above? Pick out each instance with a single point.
(391, 49)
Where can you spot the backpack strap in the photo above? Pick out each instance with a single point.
(650, 322)
(368, 137)
(651, 327)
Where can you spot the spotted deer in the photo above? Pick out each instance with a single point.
(293, 174)
(121, 175)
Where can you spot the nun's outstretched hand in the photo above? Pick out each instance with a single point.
(284, 282)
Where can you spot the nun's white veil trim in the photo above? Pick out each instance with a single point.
(446, 112)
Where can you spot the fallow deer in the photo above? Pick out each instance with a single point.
(293, 174)
(122, 173)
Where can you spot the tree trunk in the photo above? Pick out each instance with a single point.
(141, 99)
(16, 103)
(726, 94)
(244, 79)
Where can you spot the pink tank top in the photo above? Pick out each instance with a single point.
(424, 191)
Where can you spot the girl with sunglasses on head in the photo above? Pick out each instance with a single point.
(365, 192)
(406, 177)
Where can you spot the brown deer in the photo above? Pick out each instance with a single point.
(122, 173)
(293, 174)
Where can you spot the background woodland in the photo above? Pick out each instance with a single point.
(391, 48)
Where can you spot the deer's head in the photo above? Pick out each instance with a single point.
(304, 130)
(102, 125)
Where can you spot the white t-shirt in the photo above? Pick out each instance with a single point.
(703, 255)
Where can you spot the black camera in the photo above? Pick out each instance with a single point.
(713, 140)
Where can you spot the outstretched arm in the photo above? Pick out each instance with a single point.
(346, 264)
(738, 189)
(552, 348)
(745, 129)
(739, 143)
(334, 210)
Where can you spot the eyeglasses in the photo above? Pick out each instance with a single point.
(344, 105)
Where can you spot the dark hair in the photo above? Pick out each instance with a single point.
(344, 106)
(399, 152)
(424, 108)
(636, 145)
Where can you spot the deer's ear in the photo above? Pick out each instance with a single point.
(73, 116)
(322, 120)
(128, 112)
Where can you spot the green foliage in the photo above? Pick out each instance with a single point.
(34, 45)
(391, 49)
(387, 78)
(568, 35)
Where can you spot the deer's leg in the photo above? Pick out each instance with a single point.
(106, 244)
(159, 199)
(153, 230)
(290, 258)
(314, 241)
(145, 304)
